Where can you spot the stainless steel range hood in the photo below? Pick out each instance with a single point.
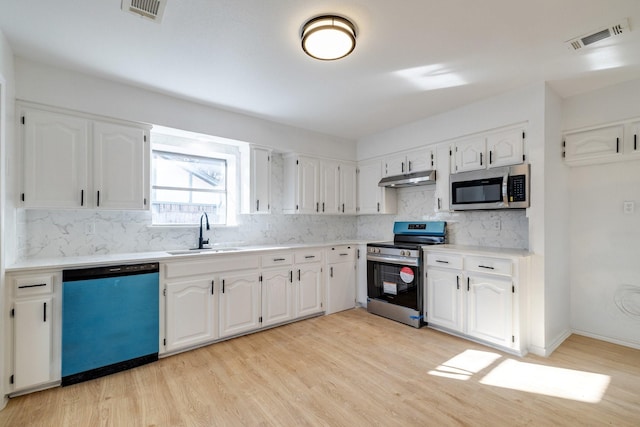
(409, 180)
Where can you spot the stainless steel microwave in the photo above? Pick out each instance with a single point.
(497, 188)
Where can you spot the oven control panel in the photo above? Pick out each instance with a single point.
(409, 253)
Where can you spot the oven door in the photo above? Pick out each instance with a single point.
(396, 281)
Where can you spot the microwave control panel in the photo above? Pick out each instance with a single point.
(517, 188)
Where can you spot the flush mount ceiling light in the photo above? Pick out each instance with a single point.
(328, 37)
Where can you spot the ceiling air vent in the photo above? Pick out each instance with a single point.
(150, 9)
(600, 34)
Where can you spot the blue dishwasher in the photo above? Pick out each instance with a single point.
(109, 320)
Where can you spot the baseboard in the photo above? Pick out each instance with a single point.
(546, 351)
(624, 343)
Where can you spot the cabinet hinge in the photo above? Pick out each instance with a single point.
(524, 157)
(513, 289)
(523, 135)
(164, 342)
(268, 158)
(260, 319)
(450, 153)
(164, 292)
(145, 138)
(22, 120)
(260, 279)
(297, 207)
(11, 379)
(145, 201)
(564, 151)
(297, 162)
(357, 170)
(13, 312)
(513, 338)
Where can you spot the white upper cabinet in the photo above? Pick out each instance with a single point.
(260, 180)
(56, 156)
(469, 154)
(77, 162)
(120, 178)
(348, 188)
(373, 199)
(489, 150)
(314, 185)
(597, 144)
(506, 148)
(443, 169)
(413, 161)
(636, 137)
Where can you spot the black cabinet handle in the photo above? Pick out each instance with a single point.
(487, 267)
(343, 208)
(317, 207)
(402, 167)
(490, 156)
(480, 159)
(468, 287)
(278, 259)
(32, 286)
(81, 197)
(617, 145)
(635, 142)
(344, 254)
(98, 199)
(457, 282)
(331, 272)
(309, 256)
(223, 286)
(442, 262)
(257, 205)
(290, 276)
(213, 287)
(298, 275)
(45, 311)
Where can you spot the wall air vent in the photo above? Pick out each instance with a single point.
(600, 34)
(150, 9)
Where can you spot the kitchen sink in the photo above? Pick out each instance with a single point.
(199, 251)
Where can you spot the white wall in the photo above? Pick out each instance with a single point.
(6, 134)
(54, 86)
(527, 104)
(605, 242)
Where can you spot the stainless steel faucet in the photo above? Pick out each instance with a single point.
(201, 240)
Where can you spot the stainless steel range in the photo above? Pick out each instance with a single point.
(395, 273)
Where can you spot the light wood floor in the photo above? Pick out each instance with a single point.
(352, 369)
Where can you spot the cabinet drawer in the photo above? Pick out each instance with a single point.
(272, 260)
(312, 255)
(344, 253)
(209, 265)
(499, 266)
(446, 260)
(33, 285)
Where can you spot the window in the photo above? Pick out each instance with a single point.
(192, 174)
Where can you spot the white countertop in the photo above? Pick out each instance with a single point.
(127, 258)
(479, 250)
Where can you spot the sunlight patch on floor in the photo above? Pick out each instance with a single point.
(548, 380)
(465, 365)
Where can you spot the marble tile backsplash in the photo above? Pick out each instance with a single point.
(54, 233)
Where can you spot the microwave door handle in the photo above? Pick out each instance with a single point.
(505, 196)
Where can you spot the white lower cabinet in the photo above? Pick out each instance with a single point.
(191, 312)
(309, 289)
(35, 331)
(478, 296)
(341, 280)
(277, 296)
(240, 303)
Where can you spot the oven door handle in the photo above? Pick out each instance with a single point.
(414, 262)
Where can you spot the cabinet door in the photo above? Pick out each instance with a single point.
(260, 180)
(330, 187)
(505, 148)
(443, 169)
(420, 160)
(470, 154)
(396, 165)
(635, 143)
(309, 292)
(348, 193)
(443, 299)
(33, 342)
(371, 198)
(277, 296)
(490, 309)
(119, 166)
(191, 318)
(308, 185)
(341, 287)
(240, 303)
(600, 143)
(56, 150)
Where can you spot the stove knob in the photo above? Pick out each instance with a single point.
(378, 250)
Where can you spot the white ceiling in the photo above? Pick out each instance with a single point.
(245, 55)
